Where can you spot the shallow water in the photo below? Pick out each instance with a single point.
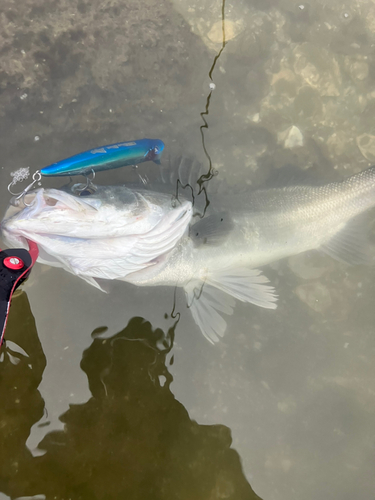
(283, 407)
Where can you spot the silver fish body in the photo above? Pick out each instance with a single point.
(273, 224)
(268, 225)
(217, 260)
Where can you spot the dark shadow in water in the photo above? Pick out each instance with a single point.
(131, 440)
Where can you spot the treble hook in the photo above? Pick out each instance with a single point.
(89, 184)
(36, 179)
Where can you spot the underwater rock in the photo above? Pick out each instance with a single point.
(308, 104)
(359, 70)
(318, 68)
(315, 295)
(340, 143)
(285, 82)
(309, 265)
(357, 66)
(85, 68)
(366, 145)
(232, 29)
(306, 89)
(200, 17)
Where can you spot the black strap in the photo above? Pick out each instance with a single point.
(11, 278)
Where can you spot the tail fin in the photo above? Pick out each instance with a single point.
(207, 299)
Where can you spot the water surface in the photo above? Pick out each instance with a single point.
(283, 407)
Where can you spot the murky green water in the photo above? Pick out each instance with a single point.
(146, 408)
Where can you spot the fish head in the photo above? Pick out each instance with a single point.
(134, 226)
(108, 211)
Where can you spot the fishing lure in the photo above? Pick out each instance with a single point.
(107, 158)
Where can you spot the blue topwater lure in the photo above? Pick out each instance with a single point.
(95, 160)
(107, 157)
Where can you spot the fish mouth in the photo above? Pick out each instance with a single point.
(27, 200)
(44, 198)
(30, 206)
(22, 201)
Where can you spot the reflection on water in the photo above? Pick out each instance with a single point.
(131, 439)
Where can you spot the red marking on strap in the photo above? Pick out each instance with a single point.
(13, 262)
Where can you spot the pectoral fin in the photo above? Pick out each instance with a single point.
(211, 230)
(208, 299)
(93, 282)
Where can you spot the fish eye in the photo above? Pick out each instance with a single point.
(156, 150)
(51, 202)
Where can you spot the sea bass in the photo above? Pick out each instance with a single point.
(149, 239)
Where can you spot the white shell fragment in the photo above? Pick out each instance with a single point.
(291, 137)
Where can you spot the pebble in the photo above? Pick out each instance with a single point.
(292, 137)
(232, 29)
(315, 295)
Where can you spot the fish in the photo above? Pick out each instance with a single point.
(217, 259)
(107, 158)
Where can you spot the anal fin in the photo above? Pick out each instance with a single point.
(206, 303)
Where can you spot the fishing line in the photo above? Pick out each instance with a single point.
(204, 177)
(211, 172)
(174, 314)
